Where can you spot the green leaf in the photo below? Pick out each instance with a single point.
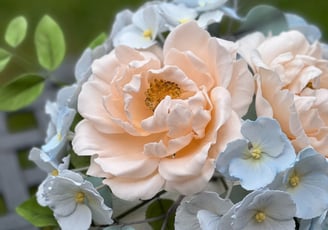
(16, 31)
(37, 215)
(79, 161)
(158, 208)
(100, 39)
(50, 43)
(5, 57)
(20, 92)
(265, 19)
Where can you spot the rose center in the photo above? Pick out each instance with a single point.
(158, 90)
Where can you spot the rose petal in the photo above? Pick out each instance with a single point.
(241, 88)
(128, 165)
(88, 141)
(90, 106)
(133, 189)
(192, 184)
(197, 39)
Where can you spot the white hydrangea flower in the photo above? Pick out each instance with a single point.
(202, 5)
(146, 24)
(201, 211)
(308, 177)
(209, 10)
(37, 156)
(261, 209)
(257, 159)
(61, 118)
(176, 14)
(74, 201)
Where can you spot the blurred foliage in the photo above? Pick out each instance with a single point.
(313, 12)
(84, 20)
(81, 21)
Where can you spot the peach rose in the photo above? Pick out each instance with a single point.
(156, 119)
(292, 85)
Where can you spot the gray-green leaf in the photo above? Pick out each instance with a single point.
(37, 215)
(50, 43)
(264, 18)
(20, 92)
(5, 57)
(16, 31)
(159, 208)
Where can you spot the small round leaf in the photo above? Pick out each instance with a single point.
(50, 43)
(16, 31)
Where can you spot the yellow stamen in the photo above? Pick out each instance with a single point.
(158, 90)
(55, 172)
(59, 136)
(256, 153)
(148, 34)
(309, 85)
(183, 20)
(260, 217)
(294, 180)
(79, 197)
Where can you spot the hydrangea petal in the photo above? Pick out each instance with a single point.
(79, 220)
(186, 215)
(208, 220)
(252, 174)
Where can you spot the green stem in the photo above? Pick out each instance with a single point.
(170, 211)
(124, 214)
(122, 224)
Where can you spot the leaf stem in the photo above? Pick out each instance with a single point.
(170, 211)
(127, 212)
(156, 218)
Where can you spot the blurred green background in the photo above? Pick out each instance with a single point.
(83, 20)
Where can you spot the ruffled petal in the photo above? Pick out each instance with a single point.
(189, 185)
(125, 165)
(133, 189)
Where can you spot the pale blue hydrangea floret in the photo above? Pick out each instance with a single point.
(51, 168)
(37, 156)
(307, 183)
(257, 159)
(295, 22)
(142, 32)
(61, 118)
(202, 210)
(209, 10)
(176, 14)
(202, 5)
(317, 223)
(261, 209)
(74, 201)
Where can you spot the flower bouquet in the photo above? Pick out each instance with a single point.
(198, 116)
